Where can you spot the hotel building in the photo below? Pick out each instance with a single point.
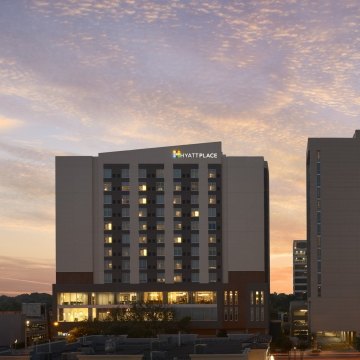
(183, 226)
(333, 232)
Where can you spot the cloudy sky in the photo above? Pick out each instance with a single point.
(80, 77)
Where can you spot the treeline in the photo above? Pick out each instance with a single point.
(9, 303)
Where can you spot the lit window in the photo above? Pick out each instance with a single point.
(212, 238)
(142, 212)
(107, 186)
(107, 251)
(125, 212)
(212, 225)
(194, 251)
(177, 225)
(125, 173)
(160, 238)
(194, 238)
(142, 239)
(125, 199)
(194, 186)
(160, 264)
(195, 213)
(143, 277)
(160, 173)
(143, 252)
(177, 239)
(160, 212)
(142, 199)
(177, 251)
(257, 297)
(177, 212)
(177, 278)
(107, 173)
(125, 239)
(107, 199)
(143, 263)
(230, 297)
(211, 212)
(142, 225)
(177, 264)
(177, 186)
(194, 173)
(212, 173)
(125, 225)
(212, 251)
(225, 297)
(180, 297)
(142, 173)
(195, 264)
(194, 199)
(107, 212)
(194, 225)
(160, 277)
(212, 186)
(160, 186)
(107, 225)
(108, 264)
(177, 199)
(160, 226)
(125, 186)
(205, 297)
(212, 264)
(212, 199)
(177, 173)
(108, 239)
(195, 277)
(236, 298)
(125, 264)
(142, 186)
(160, 199)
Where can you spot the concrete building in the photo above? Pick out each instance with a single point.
(300, 268)
(298, 319)
(184, 226)
(333, 233)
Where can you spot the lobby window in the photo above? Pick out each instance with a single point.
(143, 277)
(142, 212)
(125, 212)
(107, 212)
(212, 225)
(160, 212)
(177, 212)
(160, 251)
(107, 186)
(180, 297)
(107, 225)
(205, 297)
(160, 238)
(195, 213)
(142, 173)
(194, 186)
(177, 199)
(195, 277)
(177, 251)
(153, 297)
(160, 199)
(142, 199)
(177, 186)
(125, 225)
(212, 186)
(177, 264)
(125, 186)
(177, 278)
(195, 264)
(194, 251)
(142, 225)
(108, 264)
(194, 199)
(177, 173)
(194, 225)
(160, 226)
(160, 186)
(125, 239)
(212, 238)
(159, 173)
(107, 199)
(177, 225)
(125, 278)
(125, 264)
(142, 186)
(160, 264)
(107, 239)
(107, 173)
(211, 212)
(160, 277)
(194, 173)
(125, 200)
(125, 173)
(212, 173)
(143, 252)
(107, 252)
(143, 239)
(194, 238)
(143, 264)
(177, 239)
(212, 199)
(212, 264)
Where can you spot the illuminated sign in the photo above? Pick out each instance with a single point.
(177, 154)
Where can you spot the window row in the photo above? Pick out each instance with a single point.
(160, 225)
(160, 239)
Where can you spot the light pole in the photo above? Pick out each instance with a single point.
(27, 323)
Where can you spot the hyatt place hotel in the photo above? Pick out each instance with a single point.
(183, 226)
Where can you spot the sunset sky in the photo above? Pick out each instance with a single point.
(80, 77)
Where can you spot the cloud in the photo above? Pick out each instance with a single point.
(7, 124)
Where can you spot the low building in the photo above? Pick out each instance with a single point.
(298, 318)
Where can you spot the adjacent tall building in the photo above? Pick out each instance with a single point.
(183, 226)
(333, 232)
(300, 268)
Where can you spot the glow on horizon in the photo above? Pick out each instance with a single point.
(79, 78)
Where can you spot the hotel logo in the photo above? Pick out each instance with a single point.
(177, 154)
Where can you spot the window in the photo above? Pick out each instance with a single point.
(107, 239)
(107, 212)
(125, 278)
(212, 276)
(160, 186)
(107, 173)
(107, 264)
(195, 213)
(160, 238)
(212, 199)
(212, 186)
(107, 225)
(177, 251)
(160, 264)
(160, 173)
(107, 251)
(195, 264)
(194, 238)
(225, 297)
(160, 212)
(212, 238)
(160, 226)
(125, 225)
(142, 212)
(142, 199)
(125, 264)
(177, 239)
(225, 314)
(230, 297)
(211, 212)
(125, 173)
(194, 186)
(107, 186)
(212, 251)
(143, 252)
(107, 278)
(177, 212)
(177, 278)
(177, 199)
(195, 277)
(160, 251)
(160, 277)
(142, 186)
(177, 173)
(212, 225)
(212, 173)
(236, 297)
(177, 264)
(194, 225)
(160, 199)
(107, 199)
(142, 264)
(125, 186)
(125, 199)
(125, 251)
(125, 239)
(125, 212)
(142, 173)
(142, 225)
(230, 314)
(177, 225)
(143, 239)
(194, 173)
(180, 297)
(143, 277)
(194, 251)
(194, 199)
(177, 186)
(212, 264)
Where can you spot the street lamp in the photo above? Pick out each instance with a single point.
(27, 323)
